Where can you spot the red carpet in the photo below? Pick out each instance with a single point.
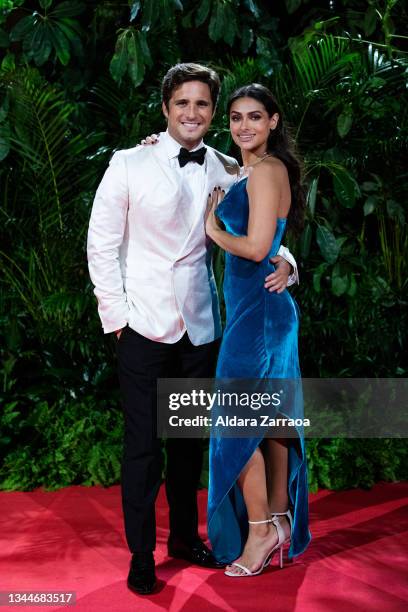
(72, 539)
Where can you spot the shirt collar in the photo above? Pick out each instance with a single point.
(173, 147)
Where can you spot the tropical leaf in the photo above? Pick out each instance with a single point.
(132, 55)
(339, 281)
(4, 140)
(317, 276)
(69, 8)
(61, 44)
(134, 10)
(241, 73)
(149, 14)
(254, 8)
(344, 122)
(370, 205)
(22, 28)
(370, 20)
(4, 108)
(217, 23)
(328, 244)
(144, 47)
(306, 241)
(119, 61)
(56, 31)
(318, 64)
(64, 308)
(106, 101)
(345, 186)
(4, 38)
(202, 12)
(136, 67)
(311, 195)
(8, 63)
(231, 29)
(247, 38)
(395, 211)
(46, 153)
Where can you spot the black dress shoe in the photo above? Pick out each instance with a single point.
(142, 577)
(197, 553)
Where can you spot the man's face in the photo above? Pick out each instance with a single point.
(189, 114)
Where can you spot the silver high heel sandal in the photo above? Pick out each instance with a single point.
(282, 540)
(281, 535)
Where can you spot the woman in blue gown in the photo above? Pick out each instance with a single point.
(258, 496)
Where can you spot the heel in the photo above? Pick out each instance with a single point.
(282, 540)
(281, 557)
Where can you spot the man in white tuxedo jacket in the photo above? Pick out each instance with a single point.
(150, 263)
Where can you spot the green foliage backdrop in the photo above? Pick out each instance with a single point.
(79, 80)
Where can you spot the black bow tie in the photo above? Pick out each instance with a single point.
(191, 156)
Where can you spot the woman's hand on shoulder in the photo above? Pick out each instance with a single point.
(150, 140)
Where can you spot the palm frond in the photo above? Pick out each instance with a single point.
(318, 63)
(45, 148)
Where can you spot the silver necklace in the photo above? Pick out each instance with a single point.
(258, 161)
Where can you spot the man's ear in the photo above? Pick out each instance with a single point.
(165, 111)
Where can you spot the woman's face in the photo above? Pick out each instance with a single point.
(250, 125)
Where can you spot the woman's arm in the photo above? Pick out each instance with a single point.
(265, 186)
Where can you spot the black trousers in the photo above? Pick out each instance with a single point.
(140, 362)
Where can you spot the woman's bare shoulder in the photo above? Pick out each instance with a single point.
(269, 168)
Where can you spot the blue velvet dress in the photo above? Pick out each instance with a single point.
(260, 341)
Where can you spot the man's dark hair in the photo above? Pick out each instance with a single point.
(182, 73)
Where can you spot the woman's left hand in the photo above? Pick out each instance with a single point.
(278, 280)
(211, 221)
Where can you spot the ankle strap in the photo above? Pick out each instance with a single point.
(260, 522)
(288, 515)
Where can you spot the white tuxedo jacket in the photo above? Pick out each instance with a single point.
(150, 266)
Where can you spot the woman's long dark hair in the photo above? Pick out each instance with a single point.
(282, 146)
